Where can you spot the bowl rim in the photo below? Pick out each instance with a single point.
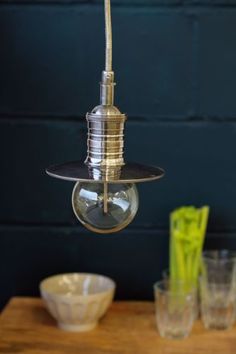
(51, 293)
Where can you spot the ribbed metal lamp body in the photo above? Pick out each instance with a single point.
(105, 137)
(105, 147)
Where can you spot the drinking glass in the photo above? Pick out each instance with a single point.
(218, 290)
(166, 277)
(175, 304)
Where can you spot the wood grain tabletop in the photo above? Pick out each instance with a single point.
(129, 327)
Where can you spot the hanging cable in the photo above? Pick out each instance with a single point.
(108, 35)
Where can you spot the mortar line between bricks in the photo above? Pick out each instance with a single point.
(33, 119)
(184, 5)
(70, 227)
(138, 228)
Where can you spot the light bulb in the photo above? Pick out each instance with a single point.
(105, 207)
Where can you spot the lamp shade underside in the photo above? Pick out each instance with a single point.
(129, 173)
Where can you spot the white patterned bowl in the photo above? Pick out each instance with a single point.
(78, 300)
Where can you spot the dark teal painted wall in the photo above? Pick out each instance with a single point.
(175, 64)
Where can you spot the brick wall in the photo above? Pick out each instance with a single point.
(175, 64)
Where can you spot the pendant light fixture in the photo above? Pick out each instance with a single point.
(105, 197)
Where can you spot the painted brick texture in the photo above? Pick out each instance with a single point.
(175, 64)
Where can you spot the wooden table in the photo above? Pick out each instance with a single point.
(129, 327)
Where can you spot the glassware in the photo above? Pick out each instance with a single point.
(166, 274)
(105, 208)
(219, 266)
(218, 289)
(175, 309)
(217, 305)
(166, 278)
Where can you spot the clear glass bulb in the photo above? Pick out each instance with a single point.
(105, 208)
